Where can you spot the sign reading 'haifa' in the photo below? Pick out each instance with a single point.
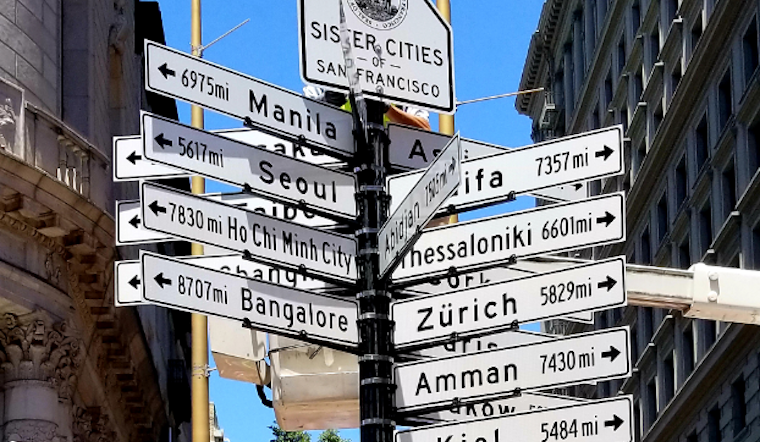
(287, 114)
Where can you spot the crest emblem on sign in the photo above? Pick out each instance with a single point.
(380, 14)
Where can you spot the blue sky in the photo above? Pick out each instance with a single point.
(490, 44)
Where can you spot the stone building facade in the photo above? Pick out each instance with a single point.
(72, 367)
(681, 76)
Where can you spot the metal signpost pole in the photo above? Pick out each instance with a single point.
(377, 388)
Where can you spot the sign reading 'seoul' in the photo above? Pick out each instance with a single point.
(403, 49)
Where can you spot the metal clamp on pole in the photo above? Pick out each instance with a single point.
(380, 422)
(372, 293)
(377, 381)
(376, 358)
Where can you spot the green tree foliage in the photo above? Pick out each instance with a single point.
(331, 436)
(281, 435)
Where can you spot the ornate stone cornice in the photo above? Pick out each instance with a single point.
(90, 425)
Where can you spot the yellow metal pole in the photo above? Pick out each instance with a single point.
(199, 324)
(446, 122)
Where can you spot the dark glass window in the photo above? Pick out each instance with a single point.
(750, 51)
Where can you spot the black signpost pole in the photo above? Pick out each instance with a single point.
(376, 388)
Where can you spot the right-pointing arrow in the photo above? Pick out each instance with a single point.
(161, 281)
(577, 186)
(616, 422)
(606, 152)
(607, 284)
(163, 142)
(606, 219)
(612, 354)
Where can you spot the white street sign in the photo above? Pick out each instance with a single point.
(605, 420)
(492, 308)
(477, 244)
(128, 284)
(504, 407)
(129, 227)
(412, 148)
(269, 307)
(565, 192)
(287, 114)
(403, 50)
(567, 160)
(596, 356)
(435, 186)
(470, 345)
(266, 173)
(265, 239)
(129, 164)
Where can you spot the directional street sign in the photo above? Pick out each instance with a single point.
(566, 192)
(266, 173)
(478, 244)
(468, 345)
(435, 186)
(128, 284)
(286, 114)
(262, 238)
(129, 228)
(606, 420)
(492, 308)
(129, 164)
(568, 160)
(403, 50)
(504, 407)
(269, 307)
(596, 356)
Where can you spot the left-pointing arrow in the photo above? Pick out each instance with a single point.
(133, 157)
(616, 422)
(134, 282)
(164, 69)
(612, 354)
(163, 142)
(607, 219)
(156, 208)
(135, 221)
(161, 281)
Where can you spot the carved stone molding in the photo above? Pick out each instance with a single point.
(31, 349)
(32, 431)
(90, 425)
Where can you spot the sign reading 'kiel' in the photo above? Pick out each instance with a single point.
(438, 182)
(263, 238)
(184, 77)
(402, 49)
(491, 308)
(495, 374)
(478, 244)
(266, 173)
(568, 160)
(269, 307)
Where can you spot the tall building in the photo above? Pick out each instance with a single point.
(73, 367)
(681, 77)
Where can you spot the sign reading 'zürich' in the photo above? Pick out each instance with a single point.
(263, 238)
(479, 377)
(403, 50)
(266, 173)
(269, 307)
(490, 179)
(287, 114)
(491, 308)
(477, 244)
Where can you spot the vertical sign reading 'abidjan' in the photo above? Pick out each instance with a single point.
(403, 49)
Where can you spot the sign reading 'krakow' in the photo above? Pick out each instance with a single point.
(474, 245)
(403, 49)
(263, 238)
(184, 77)
(269, 307)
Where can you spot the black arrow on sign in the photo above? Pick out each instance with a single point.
(161, 281)
(135, 221)
(607, 219)
(577, 186)
(163, 142)
(156, 208)
(612, 354)
(605, 153)
(133, 157)
(608, 284)
(134, 282)
(164, 69)
(616, 422)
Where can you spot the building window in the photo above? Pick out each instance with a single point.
(687, 351)
(651, 399)
(724, 99)
(595, 124)
(756, 247)
(654, 46)
(638, 86)
(635, 17)
(624, 118)
(672, 9)
(608, 92)
(647, 323)
(637, 420)
(682, 182)
(668, 380)
(675, 76)
(692, 437)
(710, 331)
(713, 424)
(750, 51)
(663, 221)
(705, 228)
(621, 56)
(701, 142)
(646, 247)
(684, 254)
(728, 184)
(657, 117)
(738, 405)
(638, 157)
(696, 31)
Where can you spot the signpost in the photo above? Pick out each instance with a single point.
(491, 179)
(606, 420)
(403, 50)
(492, 308)
(284, 113)
(435, 186)
(269, 307)
(261, 238)
(595, 356)
(269, 174)
(474, 245)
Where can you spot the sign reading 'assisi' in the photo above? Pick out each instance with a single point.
(403, 49)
